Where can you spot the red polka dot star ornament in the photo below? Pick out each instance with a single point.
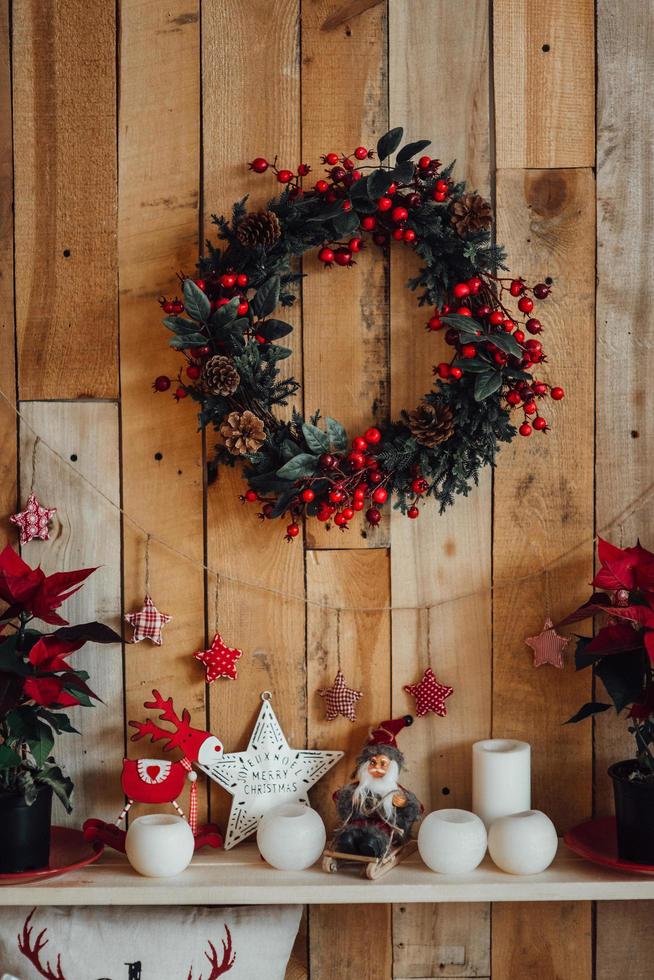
(34, 521)
(148, 623)
(430, 694)
(219, 660)
(340, 699)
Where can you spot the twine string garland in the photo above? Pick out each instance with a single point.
(633, 507)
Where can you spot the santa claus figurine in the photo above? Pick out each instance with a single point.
(377, 813)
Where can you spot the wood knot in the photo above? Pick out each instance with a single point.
(546, 192)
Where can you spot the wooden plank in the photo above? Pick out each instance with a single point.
(544, 64)
(161, 451)
(437, 559)
(85, 533)
(544, 515)
(355, 638)
(624, 433)
(548, 941)
(64, 94)
(344, 105)
(8, 419)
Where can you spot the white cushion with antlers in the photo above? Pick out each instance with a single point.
(147, 943)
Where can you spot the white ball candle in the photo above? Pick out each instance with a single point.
(501, 778)
(159, 845)
(452, 841)
(291, 837)
(523, 843)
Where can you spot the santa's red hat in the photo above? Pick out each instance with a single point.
(382, 740)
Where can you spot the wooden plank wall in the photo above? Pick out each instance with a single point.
(124, 126)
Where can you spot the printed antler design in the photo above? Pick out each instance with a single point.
(227, 962)
(167, 713)
(33, 953)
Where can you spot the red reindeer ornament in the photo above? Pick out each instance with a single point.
(159, 781)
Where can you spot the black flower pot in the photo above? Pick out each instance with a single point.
(634, 813)
(25, 831)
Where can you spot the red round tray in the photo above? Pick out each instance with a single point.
(68, 851)
(596, 841)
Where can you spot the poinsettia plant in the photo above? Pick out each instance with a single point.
(37, 683)
(622, 651)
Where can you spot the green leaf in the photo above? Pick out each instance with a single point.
(272, 352)
(8, 758)
(507, 343)
(328, 212)
(179, 324)
(62, 785)
(411, 149)
(190, 340)
(196, 302)
(464, 324)
(336, 433)
(41, 743)
(225, 313)
(274, 329)
(10, 660)
(378, 183)
(267, 297)
(389, 142)
(475, 365)
(304, 464)
(403, 172)
(486, 384)
(316, 439)
(345, 223)
(358, 190)
(59, 721)
(590, 708)
(622, 674)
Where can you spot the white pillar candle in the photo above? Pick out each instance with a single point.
(501, 778)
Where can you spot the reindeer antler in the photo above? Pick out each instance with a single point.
(165, 706)
(167, 713)
(33, 953)
(227, 962)
(145, 728)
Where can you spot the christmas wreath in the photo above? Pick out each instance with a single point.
(228, 329)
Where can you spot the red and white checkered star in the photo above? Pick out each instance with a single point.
(548, 646)
(340, 699)
(148, 623)
(430, 694)
(34, 521)
(219, 660)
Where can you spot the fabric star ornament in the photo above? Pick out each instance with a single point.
(219, 660)
(340, 699)
(430, 694)
(34, 521)
(148, 623)
(548, 646)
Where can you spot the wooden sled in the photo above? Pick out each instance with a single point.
(370, 867)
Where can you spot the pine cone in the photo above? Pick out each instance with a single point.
(219, 375)
(430, 424)
(470, 214)
(242, 433)
(259, 228)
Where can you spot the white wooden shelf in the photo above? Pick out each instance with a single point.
(240, 877)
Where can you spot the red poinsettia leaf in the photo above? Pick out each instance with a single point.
(55, 585)
(75, 681)
(85, 632)
(49, 653)
(45, 612)
(605, 579)
(649, 646)
(619, 563)
(615, 638)
(48, 691)
(642, 615)
(598, 602)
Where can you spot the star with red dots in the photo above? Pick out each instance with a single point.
(340, 700)
(430, 694)
(548, 646)
(219, 660)
(148, 623)
(34, 521)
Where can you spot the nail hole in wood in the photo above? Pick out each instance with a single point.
(73, 457)
(635, 433)
(158, 456)
(66, 253)
(548, 280)
(445, 791)
(546, 48)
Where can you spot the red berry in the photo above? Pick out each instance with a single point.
(424, 163)
(369, 222)
(384, 204)
(483, 310)
(540, 423)
(307, 495)
(399, 214)
(380, 239)
(373, 516)
(414, 200)
(475, 285)
(540, 388)
(228, 280)
(443, 370)
(398, 234)
(409, 235)
(441, 185)
(533, 345)
(531, 408)
(242, 280)
(323, 515)
(338, 173)
(534, 325)
(500, 357)
(361, 153)
(355, 244)
(251, 496)
(220, 302)
(517, 287)
(360, 444)
(358, 505)
(496, 318)
(525, 429)
(420, 485)
(392, 189)
(200, 283)
(194, 371)
(525, 304)
(356, 460)
(303, 169)
(413, 512)
(321, 186)
(380, 495)
(180, 393)
(519, 336)
(336, 496)
(461, 290)
(168, 306)
(541, 290)
(513, 398)
(468, 351)
(508, 325)
(463, 311)
(259, 165)
(348, 513)
(375, 477)
(327, 461)
(456, 373)
(201, 351)
(292, 530)
(242, 308)
(285, 176)
(177, 306)
(557, 394)
(372, 436)
(162, 383)
(439, 196)
(343, 256)
(326, 255)
(331, 158)
(259, 339)
(435, 323)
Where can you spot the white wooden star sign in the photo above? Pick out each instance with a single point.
(266, 774)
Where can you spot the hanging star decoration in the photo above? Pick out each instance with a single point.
(548, 646)
(430, 694)
(34, 521)
(266, 774)
(148, 623)
(219, 660)
(340, 700)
